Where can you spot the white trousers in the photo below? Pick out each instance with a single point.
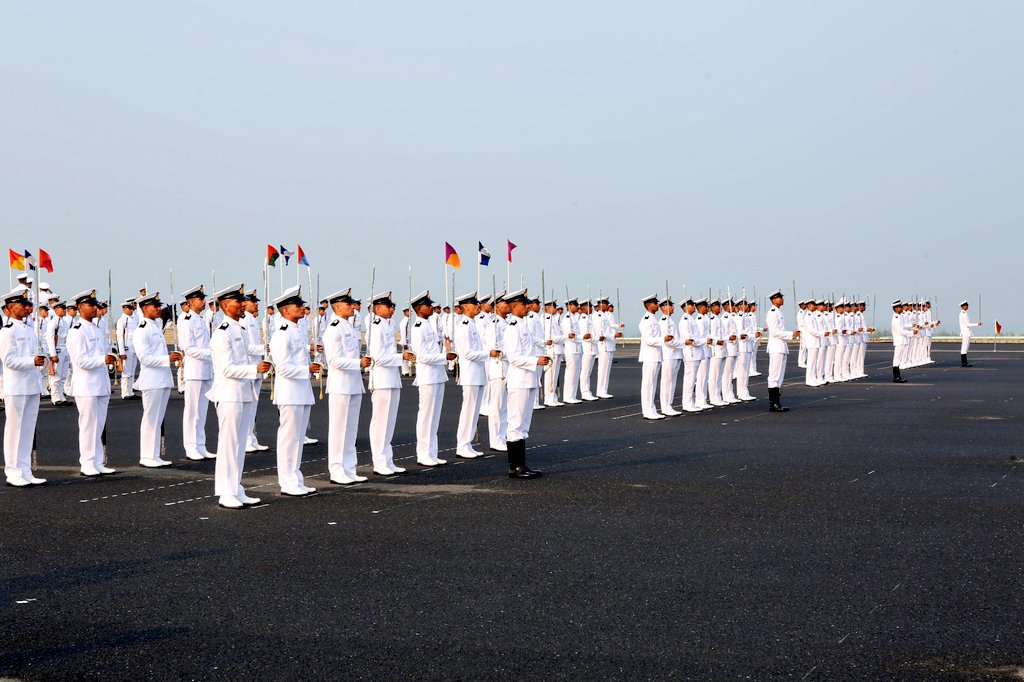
(19, 427)
(497, 412)
(965, 343)
(648, 386)
(571, 381)
(776, 369)
(715, 379)
(604, 371)
(899, 356)
(520, 413)
(486, 400)
(382, 425)
(839, 362)
(469, 416)
(829, 363)
(701, 385)
(669, 379)
(154, 406)
(551, 379)
(342, 425)
(428, 417)
(57, 381)
(752, 371)
(811, 376)
(586, 368)
(539, 373)
(250, 437)
(193, 420)
(291, 432)
(728, 369)
(801, 359)
(689, 382)
(92, 416)
(131, 361)
(742, 374)
(232, 420)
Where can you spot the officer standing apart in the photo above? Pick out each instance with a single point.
(234, 393)
(524, 357)
(965, 332)
(431, 376)
(293, 391)
(155, 379)
(88, 351)
(472, 376)
(344, 388)
(19, 353)
(778, 351)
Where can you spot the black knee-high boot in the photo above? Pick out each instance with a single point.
(897, 378)
(963, 360)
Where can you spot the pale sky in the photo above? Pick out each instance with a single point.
(868, 147)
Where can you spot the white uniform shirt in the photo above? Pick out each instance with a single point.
(494, 338)
(430, 360)
(570, 325)
(18, 351)
(126, 325)
(56, 334)
(289, 351)
(777, 334)
(552, 329)
(521, 349)
(234, 377)
(651, 338)
(472, 355)
(155, 364)
(966, 324)
(88, 349)
(194, 339)
(387, 361)
(341, 355)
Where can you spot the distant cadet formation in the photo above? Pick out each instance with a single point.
(511, 354)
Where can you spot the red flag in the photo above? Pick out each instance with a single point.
(17, 260)
(45, 262)
(999, 327)
(272, 256)
(510, 247)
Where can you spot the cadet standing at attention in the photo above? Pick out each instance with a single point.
(778, 351)
(21, 359)
(90, 356)
(155, 379)
(965, 332)
(523, 355)
(431, 376)
(344, 387)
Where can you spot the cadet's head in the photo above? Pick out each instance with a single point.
(405, 312)
(802, 305)
(716, 307)
(502, 308)
(690, 308)
(342, 304)
(127, 309)
(384, 308)
(18, 306)
(44, 311)
(270, 310)
(184, 306)
(651, 303)
(470, 307)
(197, 301)
(559, 310)
(666, 307)
(519, 307)
(778, 299)
(573, 306)
(60, 309)
(964, 306)
(252, 306)
(486, 307)
(533, 305)
(151, 309)
(447, 309)
(213, 305)
(73, 310)
(702, 307)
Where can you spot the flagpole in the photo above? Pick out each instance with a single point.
(478, 272)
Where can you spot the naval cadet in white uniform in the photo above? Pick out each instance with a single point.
(573, 350)
(965, 332)
(650, 358)
(258, 343)
(293, 391)
(778, 351)
(497, 366)
(901, 335)
(194, 338)
(671, 356)
(431, 376)
(126, 325)
(552, 332)
(385, 382)
(57, 345)
(21, 360)
(344, 387)
(155, 380)
(90, 355)
(588, 334)
(524, 357)
(472, 373)
(234, 393)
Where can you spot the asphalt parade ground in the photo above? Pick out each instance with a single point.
(874, 531)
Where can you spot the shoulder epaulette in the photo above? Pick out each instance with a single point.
(466, 321)
(774, 308)
(335, 323)
(142, 324)
(648, 316)
(418, 324)
(188, 316)
(284, 327)
(8, 325)
(75, 326)
(223, 326)
(513, 323)
(376, 321)
(664, 317)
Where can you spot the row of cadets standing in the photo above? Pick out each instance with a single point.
(834, 339)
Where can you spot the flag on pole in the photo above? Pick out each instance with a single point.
(999, 327)
(286, 253)
(510, 247)
(302, 257)
(45, 262)
(17, 260)
(272, 256)
(451, 256)
(29, 260)
(485, 255)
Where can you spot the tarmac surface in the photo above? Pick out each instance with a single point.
(874, 531)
